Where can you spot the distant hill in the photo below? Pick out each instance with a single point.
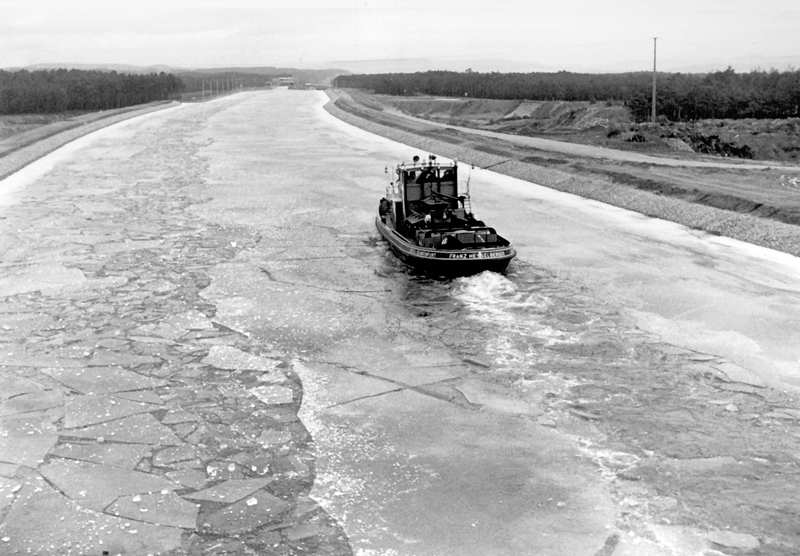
(741, 64)
(324, 75)
(413, 65)
(119, 68)
(488, 65)
(300, 75)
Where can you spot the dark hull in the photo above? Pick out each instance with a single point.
(446, 262)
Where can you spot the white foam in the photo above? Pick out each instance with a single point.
(512, 316)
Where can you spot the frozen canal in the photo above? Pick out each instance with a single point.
(615, 392)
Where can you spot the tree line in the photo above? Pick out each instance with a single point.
(721, 94)
(61, 90)
(681, 96)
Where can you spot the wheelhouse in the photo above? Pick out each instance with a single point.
(427, 219)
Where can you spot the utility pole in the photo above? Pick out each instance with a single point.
(654, 79)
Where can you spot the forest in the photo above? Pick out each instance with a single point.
(47, 90)
(61, 90)
(680, 96)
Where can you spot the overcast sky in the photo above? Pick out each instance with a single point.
(575, 35)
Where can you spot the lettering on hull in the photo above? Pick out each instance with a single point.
(460, 256)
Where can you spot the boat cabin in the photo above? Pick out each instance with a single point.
(425, 194)
(428, 222)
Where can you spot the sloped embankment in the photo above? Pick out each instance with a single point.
(542, 115)
(17, 151)
(748, 138)
(670, 196)
(777, 140)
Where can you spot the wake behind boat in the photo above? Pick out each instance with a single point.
(429, 224)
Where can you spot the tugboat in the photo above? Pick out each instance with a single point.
(429, 224)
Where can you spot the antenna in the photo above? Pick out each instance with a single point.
(467, 198)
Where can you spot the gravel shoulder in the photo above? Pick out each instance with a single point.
(715, 200)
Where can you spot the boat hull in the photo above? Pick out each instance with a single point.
(446, 262)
